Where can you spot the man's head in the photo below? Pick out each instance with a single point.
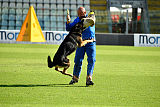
(81, 12)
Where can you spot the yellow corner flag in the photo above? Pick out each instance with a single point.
(31, 30)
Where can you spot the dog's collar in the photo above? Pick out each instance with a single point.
(77, 33)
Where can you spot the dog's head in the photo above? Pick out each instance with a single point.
(89, 20)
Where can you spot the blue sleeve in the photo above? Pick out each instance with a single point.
(70, 25)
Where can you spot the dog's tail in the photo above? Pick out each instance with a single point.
(50, 63)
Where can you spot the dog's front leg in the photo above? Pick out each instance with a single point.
(84, 42)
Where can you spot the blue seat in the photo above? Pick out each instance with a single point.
(46, 6)
(33, 1)
(60, 6)
(4, 23)
(25, 11)
(11, 23)
(5, 10)
(19, 17)
(39, 12)
(4, 27)
(40, 17)
(18, 28)
(19, 23)
(25, 1)
(87, 7)
(73, 12)
(12, 5)
(53, 18)
(12, 0)
(4, 17)
(53, 1)
(46, 18)
(66, 1)
(47, 28)
(41, 24)
(87, 2)
(11, 28)
(53, 24)
(66, 6)
(26, 5)
(60, 29)
(20, 1)
(12, 11)
(59, 12)
(53, 28)
(4, 4)
(60, 18)
(46, 12)
(39, 6)
(60, 24)
(79, 1)
(53, 12)
(59, 1)
(19, 5)
(73, 7)
(53, 6)
(73, 2)
(12, 17)
(18, 11)
(46, 24)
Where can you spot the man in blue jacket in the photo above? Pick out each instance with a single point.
(89, 49)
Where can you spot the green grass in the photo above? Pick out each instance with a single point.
(123, 76)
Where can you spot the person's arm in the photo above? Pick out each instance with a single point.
(70, 25)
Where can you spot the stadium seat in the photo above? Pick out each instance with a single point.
(73, 7)
(33, 1)
(87, 7)
(40, 17)
(39, 6)
(53, 6)
(25, 1)
(11, 28)
(53, 24)
(4, 27)
(66, 6)
(79, 5)
(12, 11)
(66, 1)
(19, 23)
(60, 29)
(39, 1)
(4, 17)
(18, 11)
(60, 6)
(46, 6)
(79, 1)
(59, 1)
(12, 0)
(34, 5)
(18, 1)
(47, 28)
(25, 5)
(25, 11)
(46, 12)
(53, 28)
(46, 24)
(4, 10)
(74, 12)
(12, 17)
(53, 1)
(60, 24)
(59, 12)
(60, 18)
(11, 23)
(24, 16)
(86, 1)
(4, 23)
(18, 17)
(47, 18)
(53, 18)
(53, 12)
(47, 1)
(12, 5)
(39, 12)
(5, 4)
(19, 5)
(73, 2)
(18, 28)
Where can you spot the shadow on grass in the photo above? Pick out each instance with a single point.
(47, 85)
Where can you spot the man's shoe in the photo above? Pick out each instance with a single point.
(89, 83)
(73, 81)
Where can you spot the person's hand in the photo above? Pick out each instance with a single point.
(68, 17)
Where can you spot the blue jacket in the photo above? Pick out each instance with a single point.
(88, 33)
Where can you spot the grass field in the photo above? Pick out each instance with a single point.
(123, 76)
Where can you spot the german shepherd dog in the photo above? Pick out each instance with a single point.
(68, 46)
